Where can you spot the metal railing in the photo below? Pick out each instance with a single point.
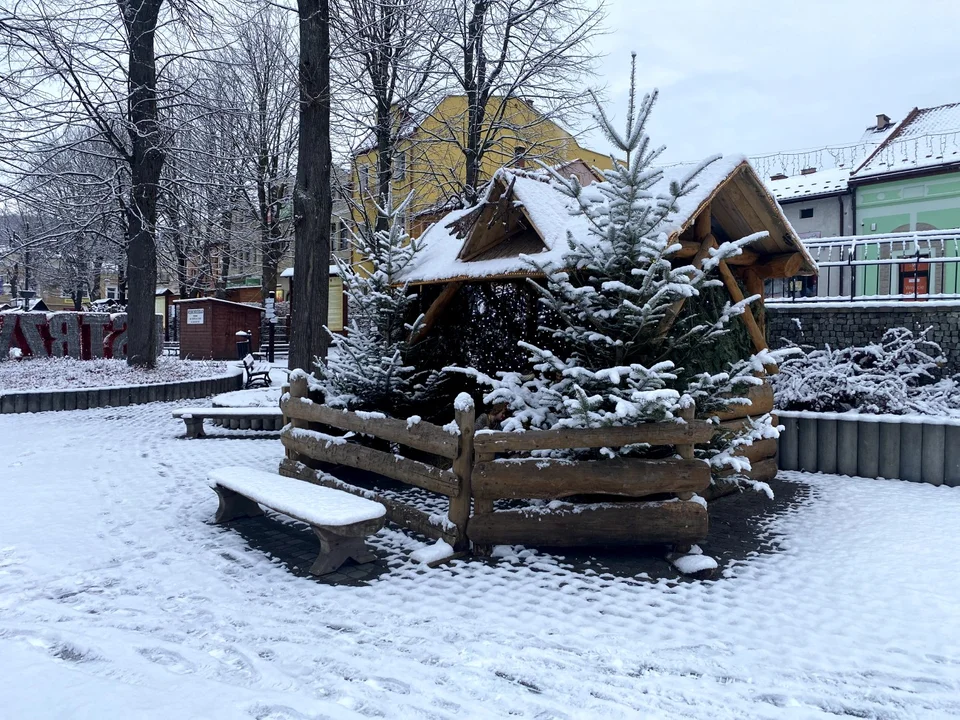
(910, 266)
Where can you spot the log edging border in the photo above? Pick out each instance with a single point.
(14, 401)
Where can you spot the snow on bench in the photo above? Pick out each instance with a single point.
(339, 519)
(240, 418)
(258, 373)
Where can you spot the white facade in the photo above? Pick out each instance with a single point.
(820, 216)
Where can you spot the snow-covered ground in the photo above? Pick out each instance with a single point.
(119, 598)
(69, 373)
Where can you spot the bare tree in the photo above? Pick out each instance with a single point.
(95, 64)
(535, 51)
(312, 199)
(387, 56)
(265, 84)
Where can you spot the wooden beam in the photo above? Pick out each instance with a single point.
(733, 288)
(396, 467)
(689, 249)
(634, 523)
(761, 402)
(707, 241)
(754, 285)
(422, 436)
(541, 479)
(664, 433)
(397, 512)
(760, 450)
(433, 313)
(784, 265)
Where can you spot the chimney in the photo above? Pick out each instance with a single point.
(778, 176)
(883, 121)
(808, 171)
(520, 156)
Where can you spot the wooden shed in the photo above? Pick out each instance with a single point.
(208, 327)
(524, 215)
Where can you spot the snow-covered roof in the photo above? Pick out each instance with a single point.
(926, 138)
(549, 212)
(188, 301)
(823, 182)
(288, 273)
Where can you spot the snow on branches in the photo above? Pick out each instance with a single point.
(900, 375)
(367, 366)
(608, 362)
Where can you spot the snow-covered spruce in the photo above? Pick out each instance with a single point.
(367, 366)
(900, 375)
(610, 362)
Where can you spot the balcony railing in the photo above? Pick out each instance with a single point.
(909, 266)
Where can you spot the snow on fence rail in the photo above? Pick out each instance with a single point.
(475, 478)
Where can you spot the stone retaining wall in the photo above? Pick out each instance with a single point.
(872, 446)
(858, 324)
(88, 398)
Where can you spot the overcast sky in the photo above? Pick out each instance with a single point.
(755, 76)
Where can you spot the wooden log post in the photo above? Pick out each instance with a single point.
(686, 451)
(483, 507)
(459, 513)
(299, 388)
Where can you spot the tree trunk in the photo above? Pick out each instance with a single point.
(312, 197)
(146, 161)
(95, 281)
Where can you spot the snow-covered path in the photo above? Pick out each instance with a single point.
(118, 598)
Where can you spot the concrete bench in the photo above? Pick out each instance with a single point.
(339, 519)
(240, 418)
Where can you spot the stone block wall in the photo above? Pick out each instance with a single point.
(854, 324)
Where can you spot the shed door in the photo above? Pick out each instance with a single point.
(335, 312)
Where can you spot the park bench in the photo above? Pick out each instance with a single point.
(339, 519)
(258, 373)
(236, 418)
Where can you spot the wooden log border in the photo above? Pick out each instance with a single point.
(396, 467)
(398, 512)
(674, 522)
(91, 398)
(422, 436)
(539, 479)
(664, 433)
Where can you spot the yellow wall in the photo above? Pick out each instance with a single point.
(435, 164)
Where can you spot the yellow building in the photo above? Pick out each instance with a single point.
(430, 158)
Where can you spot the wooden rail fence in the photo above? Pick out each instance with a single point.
(613, 501)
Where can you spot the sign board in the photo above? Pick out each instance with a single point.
(269, 306)
(195, 316)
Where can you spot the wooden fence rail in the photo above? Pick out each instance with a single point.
(643, 500)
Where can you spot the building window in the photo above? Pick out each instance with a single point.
(806, 213)
(363, 177)
(400, 166)
(111, 293)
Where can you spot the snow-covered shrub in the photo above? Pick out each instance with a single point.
(367, 367)
(900, 375)
(609, 363)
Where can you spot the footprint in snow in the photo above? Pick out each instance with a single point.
(168, 659)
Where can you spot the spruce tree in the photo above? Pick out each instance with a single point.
(367, 368)
(609, 364)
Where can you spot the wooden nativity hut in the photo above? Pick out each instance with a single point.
(470, 268)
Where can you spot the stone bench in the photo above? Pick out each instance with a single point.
(240, 418)
(339, 519)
